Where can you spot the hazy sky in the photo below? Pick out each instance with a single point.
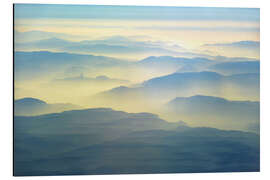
(189, 27)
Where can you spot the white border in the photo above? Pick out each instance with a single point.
(6, 86)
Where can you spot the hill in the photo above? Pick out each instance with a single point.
(104, 141)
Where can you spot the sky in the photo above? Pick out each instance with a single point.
(188, 27)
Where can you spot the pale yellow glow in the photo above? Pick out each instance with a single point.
(191, 35)
(178, 32)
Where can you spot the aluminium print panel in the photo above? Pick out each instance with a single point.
(135, 89)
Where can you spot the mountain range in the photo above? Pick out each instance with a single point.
(215, 112)
(35, 65)
(110, 46)
(30, 65)
(162, 89)
(239, 67)
(97, 79)
(105, 141)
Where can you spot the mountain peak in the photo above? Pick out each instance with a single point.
(200, 98)
(30, 100)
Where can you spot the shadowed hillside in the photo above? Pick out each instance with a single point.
(215, 112)
(157, 91)
(236, 67)
(105, 141)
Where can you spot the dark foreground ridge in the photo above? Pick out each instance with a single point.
(104, 141)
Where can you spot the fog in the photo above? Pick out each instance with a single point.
(121, 89)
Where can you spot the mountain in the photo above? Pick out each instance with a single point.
(215, 112)
(127, 47)
(206, 82)
(29, 65)
(233, 59)
(238, 44)
(183, 79)
(174, 63)
(33, 106)
(29, 102)
(28, 106)
(97, 79)
(72, 121)
(161, 60)
(54, 65)
(104, 141)
(161, 89)
(109, 46)
(249, 49)
(31, 36)
(45, 44)
(236, 67)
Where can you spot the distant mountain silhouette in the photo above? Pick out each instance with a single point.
(30, 101)
(98, 79)
(183, 79)
(33, 106)
(104, 141)
(237, 67)
(33, 65)
(215, 112)
(238, 44)
(31, 36)
(157, 60)
(165, 88)
(176, 63)
(29, 65)
(112, 45)
(233, 59)
(237, 49)
(46, 43)
(27, 106)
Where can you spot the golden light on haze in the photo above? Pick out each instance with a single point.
(176, 36)
(191, 34)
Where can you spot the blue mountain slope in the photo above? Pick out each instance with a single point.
(183, 79)
(237, 67)
(216, 112)
(112, 45)
(29, 65)
(190, 83)
(238, 44)
(89, 80)
(29, 101)
(33, 106)
(170, 62)
(104, 141)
